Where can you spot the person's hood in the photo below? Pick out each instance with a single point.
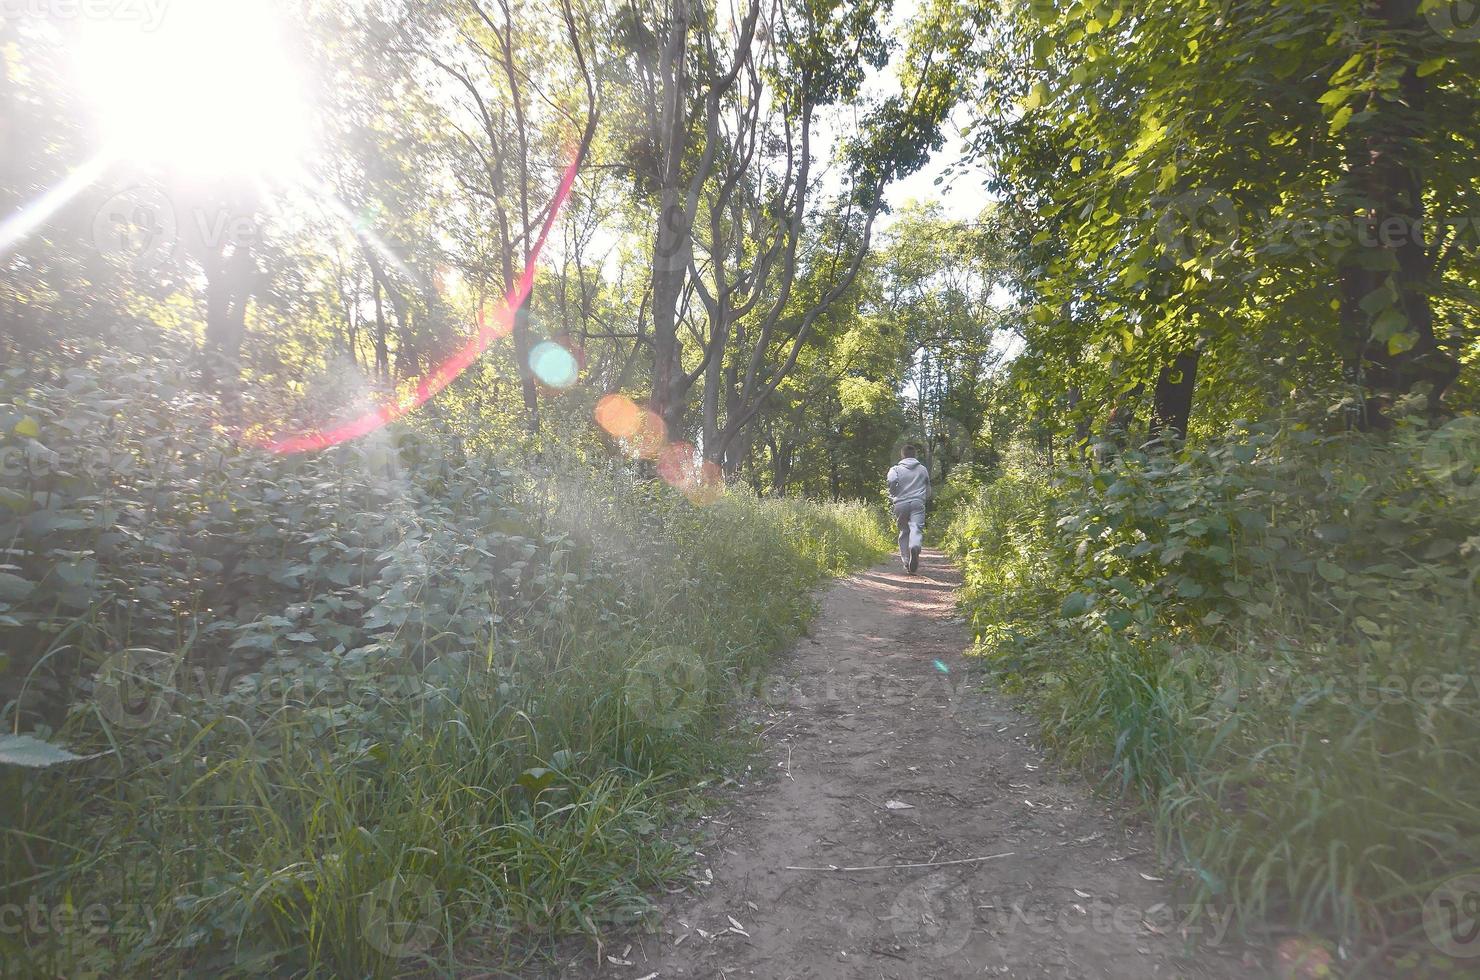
(911, 462)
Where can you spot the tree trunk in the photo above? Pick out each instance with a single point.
(1391, 346)
(714, 389)
(228, 292)
(736, 452)
(528, 383)
(382, 351)
(671, 240)
(1172, 401)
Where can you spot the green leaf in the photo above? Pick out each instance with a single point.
(27, 427)
(1330, 572)
(23, 750)
(13, 588)
(14, 500)
(1077, 604)
(1341, 119)
(536, 780)
(1400, 342)
(1392, 321)
(1349, 66)
(1381, 298)
(1431, 66)
(1335, 97)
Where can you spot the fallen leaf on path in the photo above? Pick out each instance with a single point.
(897, 805)
(735, 923)
(1082, 894)
(614, 961)
(1151, 877)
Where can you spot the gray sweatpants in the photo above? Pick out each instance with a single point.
(911, 517)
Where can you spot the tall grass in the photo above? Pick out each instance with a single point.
(439, 757)
(1270, 642)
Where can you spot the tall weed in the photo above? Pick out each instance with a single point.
(382, 709)
(1271, 642)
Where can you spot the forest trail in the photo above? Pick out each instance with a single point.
(869, 720)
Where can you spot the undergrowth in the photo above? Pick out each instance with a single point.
(1270, 641)
(398, 706)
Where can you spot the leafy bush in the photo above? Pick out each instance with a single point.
(1271, 641)
(359, 712)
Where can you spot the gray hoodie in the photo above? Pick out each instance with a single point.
(909, 480)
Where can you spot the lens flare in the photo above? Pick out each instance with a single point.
(209, 89)
(678, 465)
(708, 485)
(17, 227)
(491, 326)
(498, 320)
(651, 436)
(553, 364)
(619, 416)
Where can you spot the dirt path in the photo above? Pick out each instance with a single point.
(870, 721)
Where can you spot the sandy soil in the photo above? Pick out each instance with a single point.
(881, 751)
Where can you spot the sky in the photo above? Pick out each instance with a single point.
(961, 196)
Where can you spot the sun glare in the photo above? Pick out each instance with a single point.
(211, 90)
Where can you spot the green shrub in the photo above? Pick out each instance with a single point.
(1270, 640)
(361, 712)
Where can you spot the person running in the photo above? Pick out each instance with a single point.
(909, 489)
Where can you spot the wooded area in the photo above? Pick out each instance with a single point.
(386, 384)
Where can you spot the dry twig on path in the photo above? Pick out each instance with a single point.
(922, 864)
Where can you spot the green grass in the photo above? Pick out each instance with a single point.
(1269, 644)
(482, 783)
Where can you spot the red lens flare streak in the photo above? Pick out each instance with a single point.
(490, 329)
